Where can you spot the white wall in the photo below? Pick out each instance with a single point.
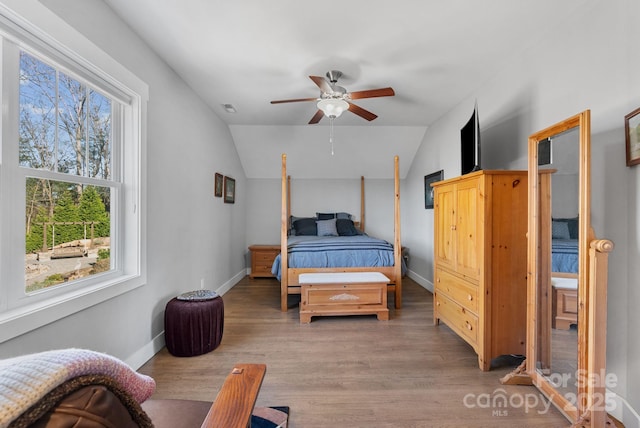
(263, 212)
(589, 63)
(565, 196)
(192, 236)
(309, 196)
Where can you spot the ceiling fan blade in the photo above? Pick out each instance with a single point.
(365, 114)
(322, 84)
(316, 117)
(372, 93)
(297, 100)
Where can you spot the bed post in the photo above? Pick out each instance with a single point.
(288, 202)
(284, 277)
(362, 203)
(397, 246)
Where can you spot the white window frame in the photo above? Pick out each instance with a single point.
(19, 312)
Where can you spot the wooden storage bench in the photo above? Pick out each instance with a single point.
(343, 293)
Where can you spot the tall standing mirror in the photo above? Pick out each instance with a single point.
(558, 260)
(566, 324)
(559, 229)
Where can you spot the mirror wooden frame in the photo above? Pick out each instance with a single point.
(588, 408)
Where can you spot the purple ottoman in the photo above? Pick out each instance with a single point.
(193, 326)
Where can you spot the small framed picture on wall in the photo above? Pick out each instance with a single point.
(632, 137)
(229, 190)
(428, 190)
(217, 186)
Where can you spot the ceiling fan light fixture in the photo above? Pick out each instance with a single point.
(333, 107)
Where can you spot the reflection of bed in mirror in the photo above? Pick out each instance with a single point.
(564, 245)
(564, 255)
(564, 272)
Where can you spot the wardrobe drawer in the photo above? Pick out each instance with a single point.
(458, 318)
(457, 289)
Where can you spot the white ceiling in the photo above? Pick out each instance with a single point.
(433, 53)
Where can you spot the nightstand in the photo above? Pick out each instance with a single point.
(262, 257)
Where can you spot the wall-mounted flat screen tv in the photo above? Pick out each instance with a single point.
(470, 144)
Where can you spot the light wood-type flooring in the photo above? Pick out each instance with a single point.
(354, 371)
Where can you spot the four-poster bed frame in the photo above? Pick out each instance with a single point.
(290, 284)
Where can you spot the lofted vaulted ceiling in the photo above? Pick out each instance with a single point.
(433, 53)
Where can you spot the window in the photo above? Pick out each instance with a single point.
(71, 163)
(65, 127)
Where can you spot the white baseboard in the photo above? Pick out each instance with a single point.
(422, 281)
(145, 353)
(230, 283)
(623, 411)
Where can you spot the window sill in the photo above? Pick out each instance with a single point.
(18, 321)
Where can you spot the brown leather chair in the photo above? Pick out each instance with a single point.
(97, 405)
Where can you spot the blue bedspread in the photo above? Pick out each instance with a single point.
(564, 255)
(335, 251)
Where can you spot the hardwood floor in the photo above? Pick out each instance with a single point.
(354, 371)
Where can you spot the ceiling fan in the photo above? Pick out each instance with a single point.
(335, 99)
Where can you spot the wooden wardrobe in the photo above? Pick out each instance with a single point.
(480, 260)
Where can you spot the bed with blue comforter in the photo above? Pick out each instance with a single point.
(333, 242)
(564, 245)
(335, 252)
(564, 255)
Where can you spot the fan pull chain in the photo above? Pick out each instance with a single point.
(331, 133)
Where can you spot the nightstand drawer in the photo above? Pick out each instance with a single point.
(261, 271)
(265, 256)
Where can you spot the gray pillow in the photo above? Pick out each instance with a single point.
(573, 226)
(560, 230)
(327, 227)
